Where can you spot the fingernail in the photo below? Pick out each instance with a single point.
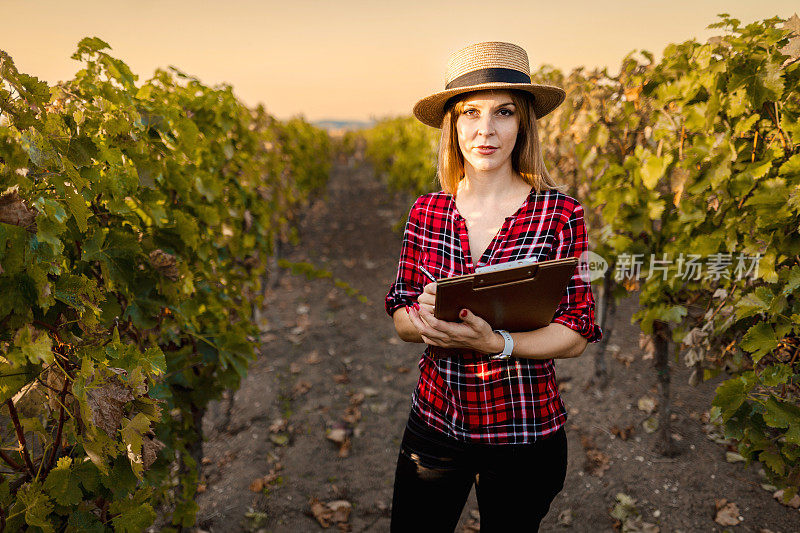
(463, 313)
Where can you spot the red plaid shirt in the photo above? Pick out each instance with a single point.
(471, 397)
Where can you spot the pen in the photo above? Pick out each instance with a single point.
(424, 271)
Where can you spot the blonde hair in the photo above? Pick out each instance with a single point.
(526, 158)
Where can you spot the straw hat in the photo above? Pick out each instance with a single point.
(489, 65)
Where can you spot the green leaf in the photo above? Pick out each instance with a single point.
(774, 461)
(34, 345)
(98, 447)
(78, 207)
(759, 340)
(14, 377)
(761, 80)
(89, 45)
(84, 522)
(133, 515)
(132, 431)
(62, 484)
(37, 90)
(775, 375)
(730, 395)
(78, 292)
(88, 474)
(37, 506)
(793, 281)
(780, 414)
(39, 149)
(654, 168)
(791, 167)
(81, 151)
(120, 480)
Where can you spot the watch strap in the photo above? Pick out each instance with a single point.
(508, 346)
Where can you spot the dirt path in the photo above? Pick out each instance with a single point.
(331, 362)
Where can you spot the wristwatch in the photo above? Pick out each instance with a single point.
(508, 347)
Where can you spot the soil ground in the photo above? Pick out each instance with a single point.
(329, 361)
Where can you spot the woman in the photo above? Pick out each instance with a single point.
(477, 415)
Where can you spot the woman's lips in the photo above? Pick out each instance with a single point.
(486, 151)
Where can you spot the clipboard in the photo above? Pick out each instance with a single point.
(519, 298)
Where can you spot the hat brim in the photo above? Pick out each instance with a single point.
(430, 110)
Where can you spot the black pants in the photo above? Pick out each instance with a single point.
(514, 483)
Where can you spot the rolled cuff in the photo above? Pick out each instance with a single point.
(582, 323)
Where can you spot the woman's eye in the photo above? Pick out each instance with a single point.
(508, 112)
(469, 111)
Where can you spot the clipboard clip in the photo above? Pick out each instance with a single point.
(483, 281)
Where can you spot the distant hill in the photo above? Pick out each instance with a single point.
(343, 125)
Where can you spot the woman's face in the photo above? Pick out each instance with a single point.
(487, 129)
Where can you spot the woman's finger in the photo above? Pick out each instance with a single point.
(430, 288)
(413, 315)
(428, 307)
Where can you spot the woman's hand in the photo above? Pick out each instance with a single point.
(428, 297)
(473, 332)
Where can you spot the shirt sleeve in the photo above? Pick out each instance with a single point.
(410, 282)
(577, 307)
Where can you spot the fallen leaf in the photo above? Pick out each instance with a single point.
(303, 321)
(313, 358)
(587, 442)
(341, 510)
(341, 378)
(352, 415)
(279, 439)
(257, 485)
(624, 358)
(650, 424)
(597, 462)
(727, 513)
(794, 502)
(300, 388)
(201, 488)
(565, 517)
(295, 368)
(278, 425)
(321, 512)
(624, 433)
(647, 345)
(337, 435)
(357, 398)
(403, 370)
(345, 447)
(647, 404)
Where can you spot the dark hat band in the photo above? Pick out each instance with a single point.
(489, 75)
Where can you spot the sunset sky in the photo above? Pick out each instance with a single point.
(349, 59)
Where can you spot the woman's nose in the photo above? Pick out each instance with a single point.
(485, 126)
